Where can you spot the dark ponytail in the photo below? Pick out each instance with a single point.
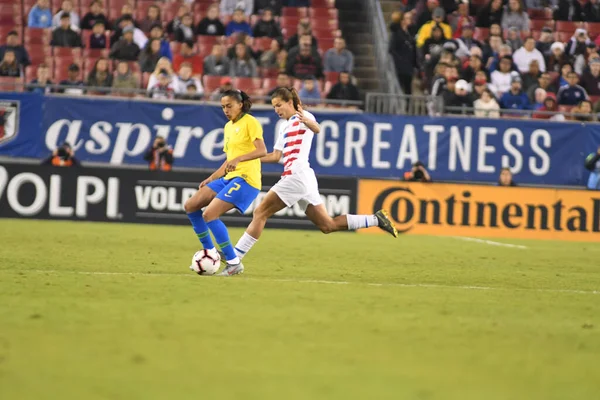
(287, 94)
(241, 97)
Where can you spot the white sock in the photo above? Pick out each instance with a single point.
(234, 261)
(244, 245)
(361, 221)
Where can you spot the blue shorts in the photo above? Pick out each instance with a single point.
(235, 191)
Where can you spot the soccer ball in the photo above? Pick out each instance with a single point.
(206, 262)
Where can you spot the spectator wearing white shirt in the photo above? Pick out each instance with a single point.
(501, 78)
(184, 79)
(523, 56)
(227, 7)
(66, 8)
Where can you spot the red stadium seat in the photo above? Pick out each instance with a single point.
(294, 12)
(269, 73)
(262, 43)
(206, 43)
(322, 3)
(564, 36)
(269, 84)
(540, 14)
(289, 31)
(95, 53)
(248, 85)
(288, 21)
(538, 24)
(67, 52)
(594, 99)
(325, 44)
(329, 13)
(332, 24)
(211, 83)
(322, 33)
(11, 84)
(38, 53)
(331, 77)
(4, 29)
(201, 9)
(481, 34)
(593, 29)
(37, 36)
(31, 74)
(567, 26)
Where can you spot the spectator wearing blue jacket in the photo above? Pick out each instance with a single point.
(157, 32)
(238, 24)
(592, 164)
(571, 94)
(515, 98)
(40, 15)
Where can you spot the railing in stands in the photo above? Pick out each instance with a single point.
(387, 71)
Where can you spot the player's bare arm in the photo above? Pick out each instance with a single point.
(272, 158)
(215, 175)
(310, 124)
(259, 151)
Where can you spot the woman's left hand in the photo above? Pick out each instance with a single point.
(231, 165)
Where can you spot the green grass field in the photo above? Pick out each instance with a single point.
(111, 311)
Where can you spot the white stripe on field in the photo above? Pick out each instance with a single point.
(489, 242)
(314, 281)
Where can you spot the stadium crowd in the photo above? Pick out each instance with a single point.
(501, 58)
(182, 49)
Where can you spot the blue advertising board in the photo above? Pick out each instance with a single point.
(350, 144)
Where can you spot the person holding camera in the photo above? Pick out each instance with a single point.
(64, 156)
(160, 155)
(418, 173)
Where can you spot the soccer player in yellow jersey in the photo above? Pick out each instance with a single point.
(235, 184)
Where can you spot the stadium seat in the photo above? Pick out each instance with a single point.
(61, 72)
(269, 84)
(329, 13)
(248, 85)
(201, 9)
(95, 53)
(38, 53)
(293, 12)
(594, 99)
(4, 29)
(211, 83)
(481, 34)
(330, 23)
(31, 74)
(322, 3)
(567, 26)
(331, 76)
(268, 73)
(289, 31)
(262, 43)
(322, 33)
(67, 52)
(564, 36)
(207, 42)
(593, 29)
(11, 84)
(538, 24)
(37, 36)
(325, 44)
(539, 14)
(288, 21)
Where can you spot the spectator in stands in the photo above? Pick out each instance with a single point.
(228, 7)
(157, 32)
(513, 39)
(531, 77)
(557, 58)
(273, 5)
(188, 55)
(9, 66)
(98, 36)
(592, 164)
(94, 15)
(490, 14)
(402, 47)
(491, 49)
(163, 87)
(125, 48)
(283, 80)
(185, 79)
(124, 79)
(544, 44)
(42, 81)
(74, 83)
(480, 84)
(66, 8)
(502, 78)
(433, 46)
(160, 155)
(445, 82)
(211, 25)
(216, 63)
(418, 173)
(591, 11)
(126, 13)
(40, 15)
(309, 93)
(185, 30)
(563, 79)
(64, 36)
(191, 93)
(125, 22)
(427, 14)
(64, 156)
(515, 98)
(269, 58)
(583, 111)
(466, 42)
(549, 110)
(344, 89)
(338, 58)
(100, 76)
(590, 80)
(176, 21)
(238, 23)
(506, 178)
(539, 97)
(225, 85)
(162, 65)
(523, 56)
(12, 43)
(267, 26)
(460, 101)
(515, 16)
(571, 94)
(568, 10)
(243, 65)
(475, 65)
(303, 61)
(304, 28)
(461, 19)
(487, 106)
(505, 50)
(426, 30)
(152, 18)
(150, 55)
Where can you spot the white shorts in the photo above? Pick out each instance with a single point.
(300, 187)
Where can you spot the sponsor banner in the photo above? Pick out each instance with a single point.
(484, 211)
(350, 144)
(21, 125)
(121, 195)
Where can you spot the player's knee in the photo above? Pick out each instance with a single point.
(190, 206)
(327, 227)
(259, 214)
(209, 216)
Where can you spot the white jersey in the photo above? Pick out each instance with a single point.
(295, 141)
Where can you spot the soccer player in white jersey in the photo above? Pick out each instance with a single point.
(298, 183)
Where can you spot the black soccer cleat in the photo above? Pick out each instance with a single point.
(385, 223)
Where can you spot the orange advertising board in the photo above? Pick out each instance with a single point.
(484, 211)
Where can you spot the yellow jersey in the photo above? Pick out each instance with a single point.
(239, 140)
